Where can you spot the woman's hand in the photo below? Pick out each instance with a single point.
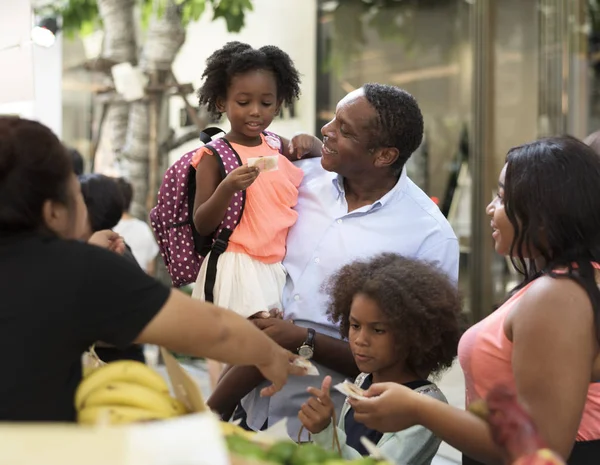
(278, 367)
(389, 407)
(302, 145)
(108, 239)
(316, 413)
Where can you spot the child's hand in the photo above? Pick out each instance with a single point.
(316, 414)
(241, 178)
(388, 407)
(303, 144)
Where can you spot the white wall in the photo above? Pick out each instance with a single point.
(290, 25)
(30, 83)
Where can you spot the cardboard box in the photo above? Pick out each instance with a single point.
(193, 439)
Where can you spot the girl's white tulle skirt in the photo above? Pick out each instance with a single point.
(244, 284)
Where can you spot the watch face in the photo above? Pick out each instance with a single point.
(306, 352)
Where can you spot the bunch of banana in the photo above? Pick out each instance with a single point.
(231, 429)
(122, 392)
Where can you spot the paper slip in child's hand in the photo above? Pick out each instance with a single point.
(350, 389)
(270, 163)
(311, 370)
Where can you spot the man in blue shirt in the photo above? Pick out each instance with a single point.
(354, 202)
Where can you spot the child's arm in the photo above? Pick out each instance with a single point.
(236, 383)
(302, 145)
(213, 194)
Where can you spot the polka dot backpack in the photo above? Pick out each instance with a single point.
(172, 219)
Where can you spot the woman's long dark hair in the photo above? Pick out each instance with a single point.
(552, 199)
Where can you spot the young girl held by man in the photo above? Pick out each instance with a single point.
(250, 86)
(402, 318)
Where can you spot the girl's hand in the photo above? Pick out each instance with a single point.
(241, 178)
(303, 144)
(278, 368)
(316, 414)
(389, 407)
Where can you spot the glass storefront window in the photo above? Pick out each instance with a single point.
(425, 48)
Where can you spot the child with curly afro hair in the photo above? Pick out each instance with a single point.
(402, 318)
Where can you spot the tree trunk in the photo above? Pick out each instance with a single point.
(165, 37)
(119, 46)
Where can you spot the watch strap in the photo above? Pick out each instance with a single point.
(310, 338)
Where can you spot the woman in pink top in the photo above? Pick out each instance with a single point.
(249, 86)
(544, 340)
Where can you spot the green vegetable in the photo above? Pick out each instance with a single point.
(282, 452)
(307, 454)
(245, 448)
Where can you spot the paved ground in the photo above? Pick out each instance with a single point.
(451, 384)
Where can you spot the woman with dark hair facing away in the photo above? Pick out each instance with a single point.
(402, 319)
(104, 203)
(82, 293)
(136, 233)
(543, 342)
(249, 86)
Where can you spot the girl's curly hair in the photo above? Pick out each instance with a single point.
(422, 306)
(236, 58)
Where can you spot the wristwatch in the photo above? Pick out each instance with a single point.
(307, 349)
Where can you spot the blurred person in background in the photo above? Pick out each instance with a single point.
(104, 203)
(136, 233)
(77, 160)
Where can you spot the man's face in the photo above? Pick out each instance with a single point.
(348, 135)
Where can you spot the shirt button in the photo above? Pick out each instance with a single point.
(296, 297)
(339, 221)
(317, 260)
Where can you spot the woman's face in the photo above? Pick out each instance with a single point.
(503, 232)
(68, 221)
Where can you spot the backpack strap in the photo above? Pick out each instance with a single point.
(272, 135)
(207, 134)
(228, 161)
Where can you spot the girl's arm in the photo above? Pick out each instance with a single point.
(302, 145)
(554, 345)
(213, 194)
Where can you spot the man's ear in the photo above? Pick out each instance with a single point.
(386, 157)
(220, 105)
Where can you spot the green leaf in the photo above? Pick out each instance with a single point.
(81, 16)
(198, 7)
(146, 13)
(78, 16)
